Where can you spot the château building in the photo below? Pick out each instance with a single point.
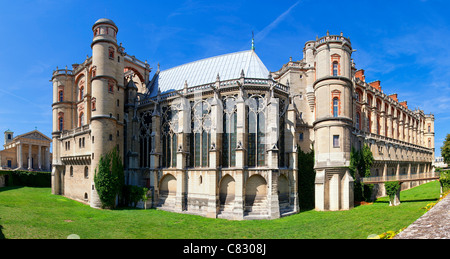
(219, 137)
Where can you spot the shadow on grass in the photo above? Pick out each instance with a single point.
(7, 188)
(401, 201)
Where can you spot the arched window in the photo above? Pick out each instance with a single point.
(61, 121)
(145, 138)
(283, 160)
(256, 122)
(335, 68)
(81, 119)
(86, 172)
(71, 171)
(169, 127)
(81, 93)
(229, 132)
(61, 95)
(200, 138)
(335, 107)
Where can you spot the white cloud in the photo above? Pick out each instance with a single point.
(262, 34)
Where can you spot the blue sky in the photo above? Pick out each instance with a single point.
(402, 43)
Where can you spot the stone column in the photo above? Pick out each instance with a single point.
(47, 158)
(241, 130)
(39, 158)
(29, 157)
(19, 156)
(214, 155)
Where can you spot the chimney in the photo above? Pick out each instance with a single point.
(360, 75)
(404, 104)
(376, 85)
(393, 97)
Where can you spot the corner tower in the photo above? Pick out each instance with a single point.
(108, 93)
(333, 90)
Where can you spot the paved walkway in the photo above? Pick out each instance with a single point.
(435, 224)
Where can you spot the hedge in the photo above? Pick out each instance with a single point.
(28, 178)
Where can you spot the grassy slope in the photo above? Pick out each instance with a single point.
(35, 213)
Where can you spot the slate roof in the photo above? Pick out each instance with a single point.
(228, 66)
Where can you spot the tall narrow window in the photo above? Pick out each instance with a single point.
(81, 93)
(229, 132)
(169, 127)
(81, 119)
(358, 120)
(201, 132)
(61, 123)
(145, 137)
(256, 122)
(378, 126)
(335, 107)
(111, 52)
(61, 95)
(282, 158)
(335, 68)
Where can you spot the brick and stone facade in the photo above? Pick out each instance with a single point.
(219, 137)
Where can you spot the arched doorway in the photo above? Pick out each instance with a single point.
(256, 195)
(167, 191)
(226, 193)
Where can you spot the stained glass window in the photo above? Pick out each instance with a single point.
(281, 139)
(169, 127)
(256, 131)
(229, 132)
(145, 138)
(201, 133)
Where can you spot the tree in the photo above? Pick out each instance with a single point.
(445, 150)
(367, 160)
(108, 178)
(361, 161)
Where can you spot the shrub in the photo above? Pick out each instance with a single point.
(108, 178)
(445, 180)
(391, 188)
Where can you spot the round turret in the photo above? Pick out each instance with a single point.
(108, 91)
(105, 30)
(332, 127)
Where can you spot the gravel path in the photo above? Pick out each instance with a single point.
(435, 224)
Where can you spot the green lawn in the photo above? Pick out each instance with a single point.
(27, 212)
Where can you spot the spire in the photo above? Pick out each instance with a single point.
(253, 41)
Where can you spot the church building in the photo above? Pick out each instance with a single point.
(219, 137)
